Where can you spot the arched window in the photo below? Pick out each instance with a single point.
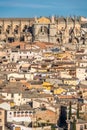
(44, 29)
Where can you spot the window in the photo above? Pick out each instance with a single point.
(10, 113)
(82, 65)
(27, 57)
(12, 95)
(19, 94)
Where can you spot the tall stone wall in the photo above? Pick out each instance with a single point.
(54, 30)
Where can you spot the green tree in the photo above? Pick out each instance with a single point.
(78, 111)
(70, 110)
(74, 124)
